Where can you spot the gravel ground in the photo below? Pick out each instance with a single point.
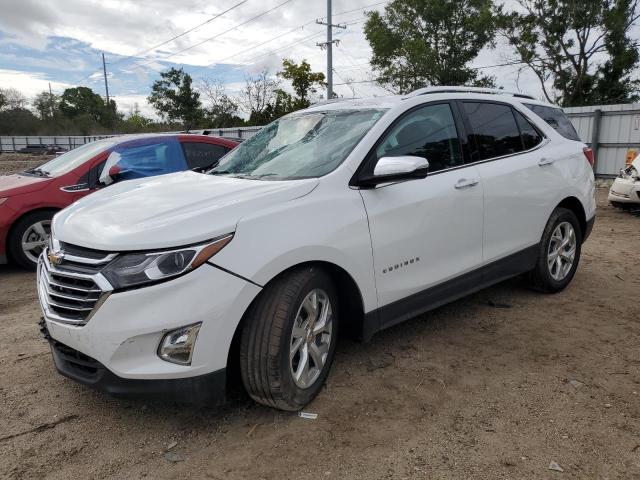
(19, 162)
(497, 385)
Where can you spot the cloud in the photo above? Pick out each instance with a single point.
(29, 83)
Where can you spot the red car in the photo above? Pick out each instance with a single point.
(29, 200)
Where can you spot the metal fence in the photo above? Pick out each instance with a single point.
(17, 143)
(611, 130)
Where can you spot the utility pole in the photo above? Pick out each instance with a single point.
(328, 45)
(106, 84)
(50, 101)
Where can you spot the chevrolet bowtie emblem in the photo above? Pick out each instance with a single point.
(55, 257)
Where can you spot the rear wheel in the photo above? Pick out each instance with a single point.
(29, 237)
(559, 253)
(289, 339)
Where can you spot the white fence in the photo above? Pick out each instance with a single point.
(611, 130)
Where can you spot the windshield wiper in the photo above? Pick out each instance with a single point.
(39, 172)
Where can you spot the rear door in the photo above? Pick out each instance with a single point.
(515, 162)
(429, 230)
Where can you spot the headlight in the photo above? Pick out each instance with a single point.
(134, 269)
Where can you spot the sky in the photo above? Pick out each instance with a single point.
(60, 42)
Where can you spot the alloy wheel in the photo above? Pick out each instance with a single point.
(35, 239)
(310, 338)
(562, 251)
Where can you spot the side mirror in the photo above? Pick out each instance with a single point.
(396, 169)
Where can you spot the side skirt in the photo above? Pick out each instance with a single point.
(434, 297)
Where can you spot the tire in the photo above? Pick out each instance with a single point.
(268, 338)
(34, 228)
(549, 275)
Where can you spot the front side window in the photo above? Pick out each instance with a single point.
(493, 129)
(304, 145)
(143, 157)
(556, 119)
(428, 132)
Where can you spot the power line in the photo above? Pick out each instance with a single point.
(175, 37)
(222, 33)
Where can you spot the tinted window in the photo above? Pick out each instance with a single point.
(530, 136)
(429, 132)
(557, 119)
(493, 128)
(201, 156)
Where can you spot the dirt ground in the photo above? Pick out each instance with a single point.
(497, 385)
(19, 162)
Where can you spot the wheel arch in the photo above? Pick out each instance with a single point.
(575, 205)
(348, 292)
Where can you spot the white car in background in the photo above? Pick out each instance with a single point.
(351, 215)
(625, 191)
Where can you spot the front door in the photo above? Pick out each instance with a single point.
(425, 231)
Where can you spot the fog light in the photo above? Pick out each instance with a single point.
(177, 345)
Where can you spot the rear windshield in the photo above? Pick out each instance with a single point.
(557, 119)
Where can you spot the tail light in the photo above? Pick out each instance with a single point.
(591, 158)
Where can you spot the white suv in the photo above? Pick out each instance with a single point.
(350, 215)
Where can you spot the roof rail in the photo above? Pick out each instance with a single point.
(494, 91)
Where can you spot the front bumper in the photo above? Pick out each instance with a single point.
(122, 336)
(625, 190)
(208, 389)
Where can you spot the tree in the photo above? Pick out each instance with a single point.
(582, 48)
(259, 92)
(12, 99)
(78, 101)
(221, 111)
(174, 98)
(303, 81)
(46, 104)
(419, 43)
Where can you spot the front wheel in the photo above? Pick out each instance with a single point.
(559, 252)
(289, 339)
(29, 237)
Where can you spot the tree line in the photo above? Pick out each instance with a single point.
(581, 52)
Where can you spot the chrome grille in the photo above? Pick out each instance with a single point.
(72, 291)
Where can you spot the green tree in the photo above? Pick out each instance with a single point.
(303, 81)
(419, 43)
(582, 49)
(84, 102)
(174, 98)
(47, 105)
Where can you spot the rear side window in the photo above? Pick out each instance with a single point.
(530, 136)
(493, 129)
(557, 119)
(201, 156)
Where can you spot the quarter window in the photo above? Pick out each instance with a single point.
(493, 129)
(557, 119)
(429, 132)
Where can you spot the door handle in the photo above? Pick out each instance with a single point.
(466, 183)
(545, 161)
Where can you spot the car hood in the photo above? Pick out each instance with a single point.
(169, 210)
(17, 184)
